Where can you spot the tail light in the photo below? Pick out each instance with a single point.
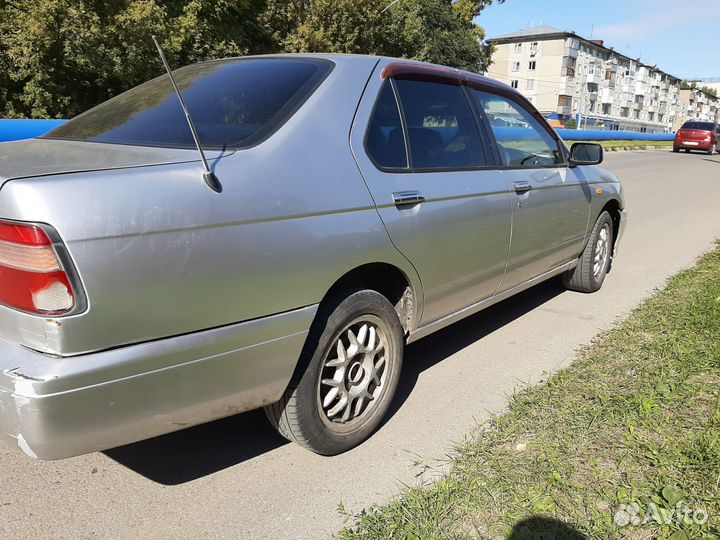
(32, 276)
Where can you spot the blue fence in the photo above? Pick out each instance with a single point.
(606, 135)
(15, 130)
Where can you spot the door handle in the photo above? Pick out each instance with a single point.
(407, 198)
(522, 186)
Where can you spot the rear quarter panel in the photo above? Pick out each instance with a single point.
(160, 254)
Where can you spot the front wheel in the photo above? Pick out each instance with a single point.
(346, 377)
(592, 267)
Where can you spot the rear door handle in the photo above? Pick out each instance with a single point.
(522, 186)
(407, 198)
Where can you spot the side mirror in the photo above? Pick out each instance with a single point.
(586, 154)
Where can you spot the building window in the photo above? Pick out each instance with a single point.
(517, 47)
(514, 83)
(531, 65)
(530, 84)
(534, 46)
(516, 66)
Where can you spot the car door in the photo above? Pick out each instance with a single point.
(550, 200)
(420, 149)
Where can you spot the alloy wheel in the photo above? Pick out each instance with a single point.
(354, 373)
(602, 251)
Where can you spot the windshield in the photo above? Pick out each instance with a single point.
(234, 104)
(705, 126)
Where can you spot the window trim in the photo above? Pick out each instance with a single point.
(428, 72)
(431, 77)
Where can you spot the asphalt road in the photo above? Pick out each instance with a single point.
(237, 478)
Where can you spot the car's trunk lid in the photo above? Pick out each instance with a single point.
(42, 157)
(693, 134)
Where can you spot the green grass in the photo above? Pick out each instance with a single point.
(629, 145)
(634, 420)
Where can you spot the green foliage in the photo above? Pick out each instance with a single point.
(61, 57)
(571, 124)
(64, 56)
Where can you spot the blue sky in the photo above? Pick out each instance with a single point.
(681, 37)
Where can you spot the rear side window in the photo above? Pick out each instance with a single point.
(522, 140)
(704, 126)
(234, 104)
(442, 130)
(385, 139)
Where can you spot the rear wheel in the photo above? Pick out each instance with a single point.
(346, 377)
(592, 267)
(676, 149)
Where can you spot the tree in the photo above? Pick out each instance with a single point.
(61, 57)
(571, 124)
(438, 31)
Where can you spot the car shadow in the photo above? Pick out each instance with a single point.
(544, 528)
(189, 454)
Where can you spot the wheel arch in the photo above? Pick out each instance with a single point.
(388, 280)
(613, 208)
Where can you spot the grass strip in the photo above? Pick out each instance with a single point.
(625, 443)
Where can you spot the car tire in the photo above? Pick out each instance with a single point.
(713, 149)
(342, 361)
(676, 149)
(594, 263)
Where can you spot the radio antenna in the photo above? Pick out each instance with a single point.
(210, 179)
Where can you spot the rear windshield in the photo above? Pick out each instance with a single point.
(234, 104)
(705, 126)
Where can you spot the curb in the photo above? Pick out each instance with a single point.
(635, 147)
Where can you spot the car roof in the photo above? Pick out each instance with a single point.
(419, 66)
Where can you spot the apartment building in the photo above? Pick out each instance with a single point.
(699, 104)
(568, 76)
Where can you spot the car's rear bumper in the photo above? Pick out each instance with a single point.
(693, 145)
(53, 407)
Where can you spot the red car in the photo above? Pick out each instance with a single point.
(697, 136)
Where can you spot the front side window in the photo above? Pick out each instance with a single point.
(234, 104)
(385, 140)
(522, 140)
(442, 131)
